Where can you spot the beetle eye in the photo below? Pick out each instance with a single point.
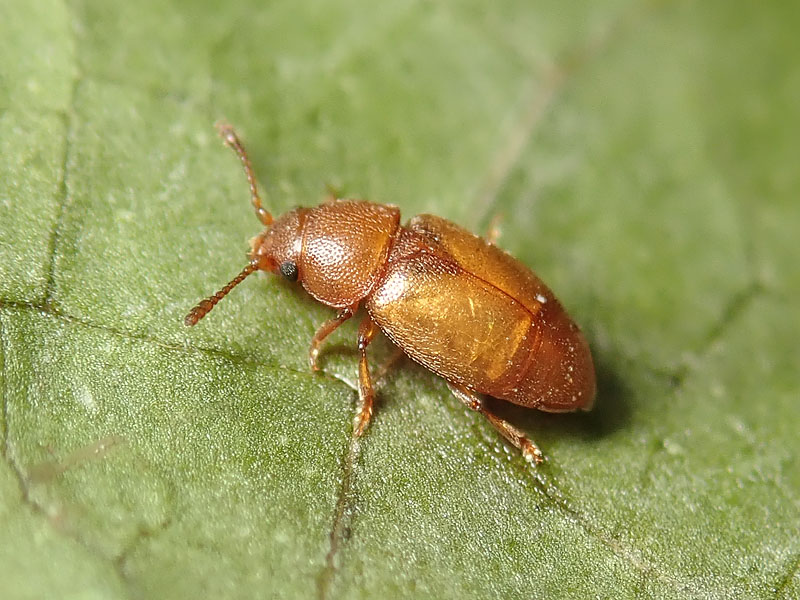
(289, 270)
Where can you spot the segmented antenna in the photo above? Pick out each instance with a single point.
(227, 133)
(204, 306)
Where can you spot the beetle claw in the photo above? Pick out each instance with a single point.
(531, 453)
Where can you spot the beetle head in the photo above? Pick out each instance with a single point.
(276, 249)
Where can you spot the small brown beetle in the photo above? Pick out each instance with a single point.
(453, 302)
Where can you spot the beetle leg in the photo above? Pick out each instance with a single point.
(327, 328)
(366, 393)
(530, 451)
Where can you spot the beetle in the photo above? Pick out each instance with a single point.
(450, 300)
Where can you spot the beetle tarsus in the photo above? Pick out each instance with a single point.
(530, 451)
(362, 419)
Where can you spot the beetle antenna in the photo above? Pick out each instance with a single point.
(204, 306)
(227, 133)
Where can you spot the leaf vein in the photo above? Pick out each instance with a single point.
(51, 311)
(553, 494)
(559, 75)
(69, 118)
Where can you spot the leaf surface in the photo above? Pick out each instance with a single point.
(640, 156)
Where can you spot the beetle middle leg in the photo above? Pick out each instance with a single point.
(327, 328)
(366, 393)
(530, 451)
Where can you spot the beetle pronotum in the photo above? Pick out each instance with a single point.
(452, 301)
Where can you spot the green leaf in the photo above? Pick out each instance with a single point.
(641, 157)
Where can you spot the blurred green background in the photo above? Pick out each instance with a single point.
(641, 157)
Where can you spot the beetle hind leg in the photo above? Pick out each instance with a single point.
(530, 451)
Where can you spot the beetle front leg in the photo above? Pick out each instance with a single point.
(327, 328)
(530, 451)
(366, 393)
